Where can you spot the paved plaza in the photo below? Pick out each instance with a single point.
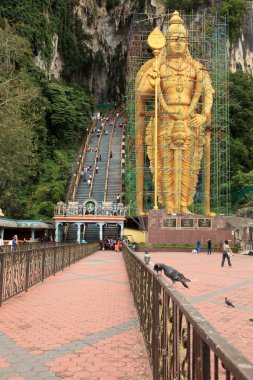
(80, 324)
(210, 284)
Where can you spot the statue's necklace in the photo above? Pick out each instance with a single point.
(179, 82)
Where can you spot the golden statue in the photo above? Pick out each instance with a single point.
(176, 131)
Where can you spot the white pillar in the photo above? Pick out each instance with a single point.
(57, 232)
(32, 234)
(121, 230)
(79, 232)
(101, 230)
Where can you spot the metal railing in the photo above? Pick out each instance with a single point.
(181, 344)
(19, 270)
(28, 245)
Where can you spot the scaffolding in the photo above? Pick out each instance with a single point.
(207, 44)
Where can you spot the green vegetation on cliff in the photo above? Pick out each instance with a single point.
(42, 122)
(39, 20)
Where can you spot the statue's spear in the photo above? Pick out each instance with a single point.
(156, 41)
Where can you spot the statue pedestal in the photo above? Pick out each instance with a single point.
(186, 228)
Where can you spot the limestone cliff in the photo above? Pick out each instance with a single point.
(108, 29)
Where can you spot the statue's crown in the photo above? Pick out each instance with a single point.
(176, 25)
(176, 19)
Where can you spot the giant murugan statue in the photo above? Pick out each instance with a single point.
(176, 133)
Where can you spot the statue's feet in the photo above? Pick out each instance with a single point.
(184, 210)
(211, 214)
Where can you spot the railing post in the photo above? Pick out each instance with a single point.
(62, 264)
(55, 253)
(27, 270)
(1, 277)
(43, 265)
(155, 331)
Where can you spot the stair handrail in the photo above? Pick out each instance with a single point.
(121, 154)
(95, 160)
(82, 153)
(108, 160)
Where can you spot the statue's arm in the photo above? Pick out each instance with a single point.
(206, 92)
(207, 95)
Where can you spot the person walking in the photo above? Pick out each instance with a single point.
(118, 198)
(110, 154)
(14, 243)
(96, 169)
(198, 246)
(209, 247)
(226, 254)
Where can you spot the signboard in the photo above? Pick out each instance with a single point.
(204, 223)
(168, 222)
(187, 223)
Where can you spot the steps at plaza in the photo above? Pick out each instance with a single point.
(72, 233)
(111, 231)
(92, 232)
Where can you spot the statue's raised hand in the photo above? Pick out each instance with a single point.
(198, 120)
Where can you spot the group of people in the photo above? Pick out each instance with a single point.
(110, 244)
(223, 247)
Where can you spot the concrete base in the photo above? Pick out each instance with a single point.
(187, 228)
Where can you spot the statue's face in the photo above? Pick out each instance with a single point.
(177, 43)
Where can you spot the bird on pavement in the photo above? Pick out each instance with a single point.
(229, 303)
(251, 319)
(172, 273)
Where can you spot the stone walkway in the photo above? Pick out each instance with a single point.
(210, 284)
(80, 324)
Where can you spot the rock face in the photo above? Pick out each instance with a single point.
(55, 68)
(108, 30)
(241, 56)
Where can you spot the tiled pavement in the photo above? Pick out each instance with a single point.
(80, 324)
(210, 284)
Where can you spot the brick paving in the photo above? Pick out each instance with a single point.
(210, 284)
(80, 324)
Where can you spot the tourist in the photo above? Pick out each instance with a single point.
(100, 157)
(110, 154)
(14, 243)
(96, 169)
(117, 246)
(89, 182)
(198, 246)
(226, 254)
(118, 198)
(209, 246)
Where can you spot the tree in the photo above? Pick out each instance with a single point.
(17, 143)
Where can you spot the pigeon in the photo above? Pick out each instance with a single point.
(251, 319)
(229, 303)
(172, 273)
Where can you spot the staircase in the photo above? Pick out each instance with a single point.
(110, 141)
(99, 178)
(111, 231)
(114, 175)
